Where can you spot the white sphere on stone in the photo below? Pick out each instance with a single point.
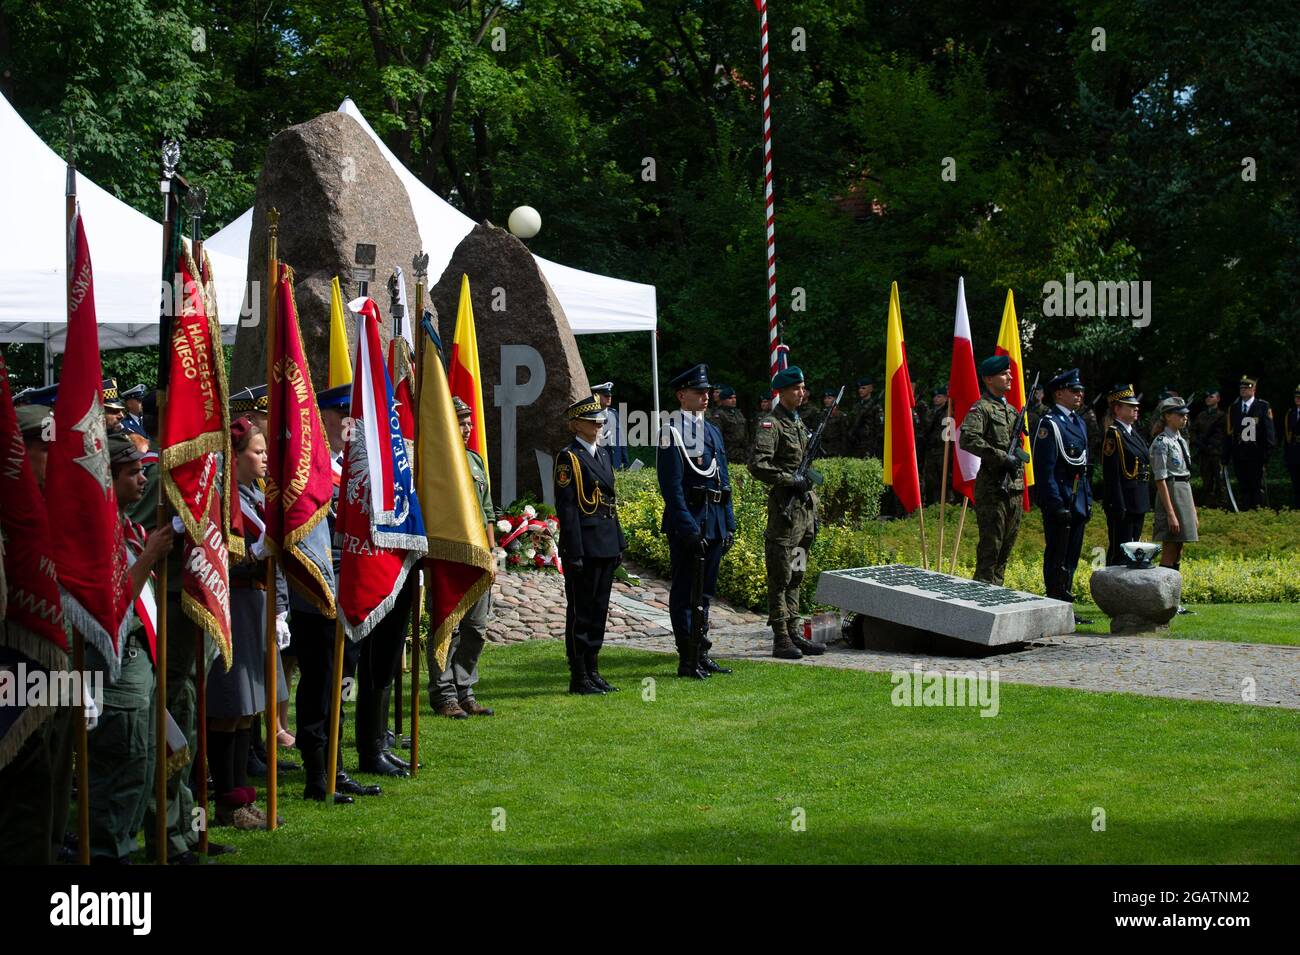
(525, 222)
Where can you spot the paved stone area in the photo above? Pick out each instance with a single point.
(531, 606)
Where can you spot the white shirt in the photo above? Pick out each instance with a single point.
(1246, 403)
(1128, 428)
(591, 448)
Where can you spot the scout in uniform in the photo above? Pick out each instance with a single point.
(1175, 520)
(1209, 433)
(451, 691)
(693, 478)
(121, 748)
(933, 441)
(610, 436)
(778, 452)
(986, 432)
(1250, 439)
(591, 542)
(1125, 473)
(1291, 447)
(730, 422)
(1061, 481)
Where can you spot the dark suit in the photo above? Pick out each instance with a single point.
(693, 505)
(1248, 449)
(590, 534)
(1064, 495)
(1125, 478)
(1291, 452)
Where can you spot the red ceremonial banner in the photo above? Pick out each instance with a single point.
(87, 537)
(196, 443)
(31, 609)
(299, 476)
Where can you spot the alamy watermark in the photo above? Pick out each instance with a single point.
(974, 688)
(1088, 299)
(21, 685)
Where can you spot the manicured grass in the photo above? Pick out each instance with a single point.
(1235, 623)
(711, 772)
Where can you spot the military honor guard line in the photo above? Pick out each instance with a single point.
(200, 545)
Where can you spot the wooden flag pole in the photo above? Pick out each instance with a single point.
(336, 707)
(420, 265)
(269, 720)
(925, 556)
(80, 740)
(961, 523)
(943, 482)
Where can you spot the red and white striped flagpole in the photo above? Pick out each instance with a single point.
(773, 328)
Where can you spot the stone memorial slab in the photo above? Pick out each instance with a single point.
(927, 602)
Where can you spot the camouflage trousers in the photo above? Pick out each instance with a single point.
(786, 565)
(999, 522)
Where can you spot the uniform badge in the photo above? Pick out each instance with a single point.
(1043, 432)
(1109, 447)
(765, 425)
(563, 475)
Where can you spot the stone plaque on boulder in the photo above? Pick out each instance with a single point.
(927, 602)
(1137, 600)
(334, 191)
(528, 357)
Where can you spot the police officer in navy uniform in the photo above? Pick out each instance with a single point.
(1061, 482)
(591, 542)
(1251, 436)
(1126, 474)
(698, 519)
(133, 421)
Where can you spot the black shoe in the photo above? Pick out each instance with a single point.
(582, 686)
(1081, 621)
(316, 791)
(286, 766)
(256, 766)
(396, 760)
(709, 665)
(343, 783)
(220, 849)
(600, 683)
(378, 764)
(686, 667)
(390, 739)
(184, 858)
(807, 647)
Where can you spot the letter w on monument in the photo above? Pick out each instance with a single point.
(460, 559)
(299, 476)
(379, 527)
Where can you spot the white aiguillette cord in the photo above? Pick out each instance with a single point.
(708, 472)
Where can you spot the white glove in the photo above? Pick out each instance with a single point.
(282, 629)
(259, 548)
(178, 525)
(90, 705)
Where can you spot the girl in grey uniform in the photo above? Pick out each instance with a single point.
(1171, 470)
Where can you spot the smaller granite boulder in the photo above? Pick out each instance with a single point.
(1137, 600)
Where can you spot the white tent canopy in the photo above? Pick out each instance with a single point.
(125, 252)
(593, 303)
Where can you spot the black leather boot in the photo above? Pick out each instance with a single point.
(593, 674)
(806, 647)
(688, 660)
(313, 762)
(782, 647)
(579, 682)
(370, 738)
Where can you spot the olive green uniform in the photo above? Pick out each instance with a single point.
(986, 433)
(1209, 432)
(779, 448)
(735, 433)
(865, 431)
(933, 443)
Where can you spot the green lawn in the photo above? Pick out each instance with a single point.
(711, 772)
(1235, 623)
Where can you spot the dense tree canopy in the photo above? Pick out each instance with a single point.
(1009, 142)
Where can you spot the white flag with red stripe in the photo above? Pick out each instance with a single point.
(964, 390)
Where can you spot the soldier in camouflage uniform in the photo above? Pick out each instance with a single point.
(779, 449)
(986, 433)
(866, 424)
(730, 420)
(835, 438)
(1208, 435)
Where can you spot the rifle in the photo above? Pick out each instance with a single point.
(810, 452)
(1017, 432)
(699, 615)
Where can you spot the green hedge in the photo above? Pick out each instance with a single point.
(1242, 558)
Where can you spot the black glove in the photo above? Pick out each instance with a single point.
(575, 563)
(1011, 463)
(800, 483)
(1062, 516)
(696, 543)
(728, 542)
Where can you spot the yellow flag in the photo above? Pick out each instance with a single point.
(459, 562)
(340, 363)
(1009, 345)
(466, 378)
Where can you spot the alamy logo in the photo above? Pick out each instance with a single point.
(1088, 299)
(77, 908)
(978, 688)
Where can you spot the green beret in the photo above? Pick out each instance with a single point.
(792, 375)
(995, 365)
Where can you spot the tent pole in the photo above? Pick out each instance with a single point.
(654, 375)
(49, 359)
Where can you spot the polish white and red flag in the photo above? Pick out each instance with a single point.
(964, 390)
